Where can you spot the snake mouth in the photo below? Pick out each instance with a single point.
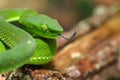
(51, 35)
(54, 33)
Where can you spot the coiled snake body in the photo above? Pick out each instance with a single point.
(23, 48)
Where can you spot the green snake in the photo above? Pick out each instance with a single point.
(30, 41)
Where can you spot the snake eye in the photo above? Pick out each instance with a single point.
(44, 27)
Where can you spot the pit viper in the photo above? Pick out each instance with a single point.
(26, 37)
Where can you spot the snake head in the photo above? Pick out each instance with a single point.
(41, 25)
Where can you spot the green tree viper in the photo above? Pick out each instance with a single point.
(30, 41)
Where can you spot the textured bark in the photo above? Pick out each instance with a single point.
(110, 72)
(89, 53)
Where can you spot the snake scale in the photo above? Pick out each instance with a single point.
(30, 41)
